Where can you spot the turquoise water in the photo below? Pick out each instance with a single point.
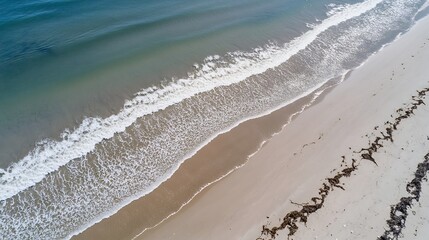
(100, 101)
(90, 56)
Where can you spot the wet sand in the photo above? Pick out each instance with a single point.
(294, 164)
(291, 168)
(210, 164)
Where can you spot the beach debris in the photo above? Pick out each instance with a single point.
(292, 218)
(399, 212)
(369, 157)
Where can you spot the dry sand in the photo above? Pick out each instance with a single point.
(294, 164)
(208, 165)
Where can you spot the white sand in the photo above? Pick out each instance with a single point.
(287, 169)
(360, 212)
(417, 225)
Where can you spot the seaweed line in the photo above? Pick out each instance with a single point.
(291, 220)
(399, 212)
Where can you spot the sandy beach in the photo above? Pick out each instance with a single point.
(207, 119)
(333, 172)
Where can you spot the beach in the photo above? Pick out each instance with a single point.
(215, 120)
(292, 166)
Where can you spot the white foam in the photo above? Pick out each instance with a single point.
(305, 106)
(49, 155)
(124, 172)
(169, 174)
(424, 7)
(335, 8)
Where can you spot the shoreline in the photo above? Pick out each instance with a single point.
(195, 117)
(98, 129)
(109, 228)
(383, 59)
(261, 130)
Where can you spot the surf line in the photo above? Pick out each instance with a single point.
(50, 155)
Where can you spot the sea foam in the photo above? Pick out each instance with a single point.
(212, 99)
(49, 155)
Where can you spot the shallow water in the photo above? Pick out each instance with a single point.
(74, 149)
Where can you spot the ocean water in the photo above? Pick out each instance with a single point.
(100, 101)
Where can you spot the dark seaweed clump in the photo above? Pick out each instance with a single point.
(396, 222)
(399, 212)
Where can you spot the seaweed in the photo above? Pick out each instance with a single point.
(397, 221)
(399, 212)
